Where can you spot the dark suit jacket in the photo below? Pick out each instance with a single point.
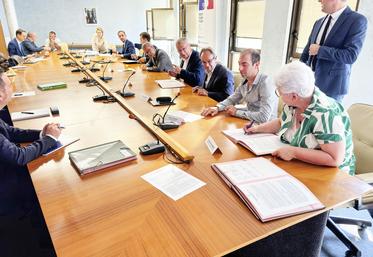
(13, 48)
(13, 160)
(128, 49)
(194, 73)
(338, 53)
(29, 47)
(12, 154)
(221, 83)
(160, 62)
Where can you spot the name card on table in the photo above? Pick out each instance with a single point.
(212, 146)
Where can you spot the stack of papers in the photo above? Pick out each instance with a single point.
(170, 83)
(62, 142)
(181, 117)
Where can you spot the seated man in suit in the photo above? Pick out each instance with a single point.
(128, 48)
(53, 41)
(142, 57)
(29, 46)
(257, 91)
(159, 59)
(10, 153)
(191, 69)
(218, 83)
(15, 45)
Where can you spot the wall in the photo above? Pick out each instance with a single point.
(4, 23)
(361, 84)
(67, 18)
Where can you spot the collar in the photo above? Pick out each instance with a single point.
(187, 60)
(318, 98)
(211, 72)
(336, 14)
(256, 80)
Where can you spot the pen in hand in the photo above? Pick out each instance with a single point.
(249, 126)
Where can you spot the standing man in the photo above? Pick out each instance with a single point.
(128, 48)
(218, 83)
(257, 91)
(29, 46)
(333, 46)
(191, 68)
(15, 45)
(159, 59)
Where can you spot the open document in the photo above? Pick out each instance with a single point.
(259, 143)
(268, 191)
(173, 182)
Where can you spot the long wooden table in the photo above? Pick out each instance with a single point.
(115, 212)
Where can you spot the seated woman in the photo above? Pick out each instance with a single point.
(316, 127)
(99, 43)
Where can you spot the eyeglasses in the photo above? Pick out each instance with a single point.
(277, 92)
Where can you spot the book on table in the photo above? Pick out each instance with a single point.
(269, 191)
(258, 143)
(101, 156)
(53, 85)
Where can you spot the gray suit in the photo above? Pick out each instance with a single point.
(160, 62)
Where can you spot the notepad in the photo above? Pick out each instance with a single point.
(23, 94)
(50, 86)
(102, 156)
(259, 143)
(129, 61)
(269, 191)
(30, 114)
(170, 83)
(62, 142)
(182, 116)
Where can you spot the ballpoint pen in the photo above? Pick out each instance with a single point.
(249, 126)
(27, 112)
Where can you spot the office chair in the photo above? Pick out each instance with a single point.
(361, 116)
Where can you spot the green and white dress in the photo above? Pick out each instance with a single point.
(325, 121)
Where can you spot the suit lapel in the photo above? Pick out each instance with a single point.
(344, 15)
(213, 76)
(316, 31)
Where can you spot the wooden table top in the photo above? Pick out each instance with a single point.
(115, 212)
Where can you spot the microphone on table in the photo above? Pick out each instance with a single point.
(164, 125)
(103, 97)
(124, 93)
(93, 68)
(103, 74)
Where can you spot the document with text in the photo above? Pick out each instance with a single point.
(170, 83)
(268, 191)
(259, 143)
(173, 182)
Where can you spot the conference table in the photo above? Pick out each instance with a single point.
(114, 212)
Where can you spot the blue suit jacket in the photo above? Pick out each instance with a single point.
(30, 47)
(13, 160)
(13, 48)
(338, 53)
(128, 49)
(194, 74)
(221, 83)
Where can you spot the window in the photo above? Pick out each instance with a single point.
(247, 19)
(163, 23)
(305, 13)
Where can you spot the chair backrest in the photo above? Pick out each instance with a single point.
(237, 79)
(64, 47)
(361, 116)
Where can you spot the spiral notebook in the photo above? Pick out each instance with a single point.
(102, 156)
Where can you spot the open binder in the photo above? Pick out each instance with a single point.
(268, 191)
(99, 157)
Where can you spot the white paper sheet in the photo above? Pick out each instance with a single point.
(22, 94)
(173, 182)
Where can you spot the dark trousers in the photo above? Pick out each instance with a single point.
(301, 240)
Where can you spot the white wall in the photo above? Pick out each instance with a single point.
(4, 23)
(277, 20)
(67, 18)
(361, 84)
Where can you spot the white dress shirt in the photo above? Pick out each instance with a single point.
(335, 17)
